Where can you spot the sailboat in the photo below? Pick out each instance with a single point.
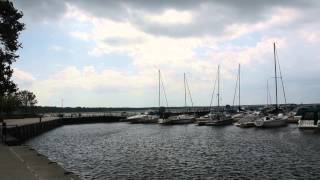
(182, 118)
(148, 116)
(240, 114)
(243, 118)
(275, 118)
(218, 118)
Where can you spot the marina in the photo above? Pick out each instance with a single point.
(99, 90)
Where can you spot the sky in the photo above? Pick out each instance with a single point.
(106, 53)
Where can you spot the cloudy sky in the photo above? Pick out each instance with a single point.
(107, 53)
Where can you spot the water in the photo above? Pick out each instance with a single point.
(137, 151)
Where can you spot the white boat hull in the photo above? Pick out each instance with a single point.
(177, 120)
(270, 123)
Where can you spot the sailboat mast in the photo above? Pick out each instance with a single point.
(185, 91)
(239, 87)
(267, 93)
(275, 73)
(218, 86)
(159, 100)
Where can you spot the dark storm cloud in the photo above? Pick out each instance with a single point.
(210, 17)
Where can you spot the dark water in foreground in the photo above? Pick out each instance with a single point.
(133, 151)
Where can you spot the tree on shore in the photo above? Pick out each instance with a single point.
(26, 99)
(10, 28)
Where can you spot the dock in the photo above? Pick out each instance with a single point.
(307, 124)
(21, 162)
(20, 130)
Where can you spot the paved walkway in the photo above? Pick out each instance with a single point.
(23, 163)
(11, 167)
(25, 121)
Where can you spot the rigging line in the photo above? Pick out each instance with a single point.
(214, 88)
(269, 99)
(235, 90)
(164, 90)
(189, 92)
(283, 89)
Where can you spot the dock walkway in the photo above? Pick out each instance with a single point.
(24, 163)
(26, 121)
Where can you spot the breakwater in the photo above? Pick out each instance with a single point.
(17, 134)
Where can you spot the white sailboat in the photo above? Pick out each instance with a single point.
(217, 118)
(182, 118)
(276, 119)
(149, 116)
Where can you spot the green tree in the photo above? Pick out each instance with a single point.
(27, 98)
(10, 28)
(11, 102)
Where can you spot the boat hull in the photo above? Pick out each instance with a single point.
(147, 119)
(215, 122)
(172, 121)
(271, 123)
(144, 121)
(245, 124)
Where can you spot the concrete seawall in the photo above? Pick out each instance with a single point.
(23, 162)
(17, 134)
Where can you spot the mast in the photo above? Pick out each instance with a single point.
(185, 91)
(275, 73)
(267, 93)
(159, 100)
(218, 87)
(239, 86)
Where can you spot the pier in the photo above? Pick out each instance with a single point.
(19, 130)
(22, 162)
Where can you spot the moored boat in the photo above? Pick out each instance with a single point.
(310, 119)
(271, 121)
(245, 124)
(275, 117)
(147, 117)
(248, 120)
(218, 118)
(180, 119)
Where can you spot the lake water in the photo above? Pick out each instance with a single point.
(138, 151)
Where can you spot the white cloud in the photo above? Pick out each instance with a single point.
(88, 79)
(172, 55)
(281, 17)
(23, 78)
(310, 36)
(171, 16)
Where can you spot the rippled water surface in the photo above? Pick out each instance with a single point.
(137, 151)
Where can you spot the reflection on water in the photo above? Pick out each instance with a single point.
(126, 151)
